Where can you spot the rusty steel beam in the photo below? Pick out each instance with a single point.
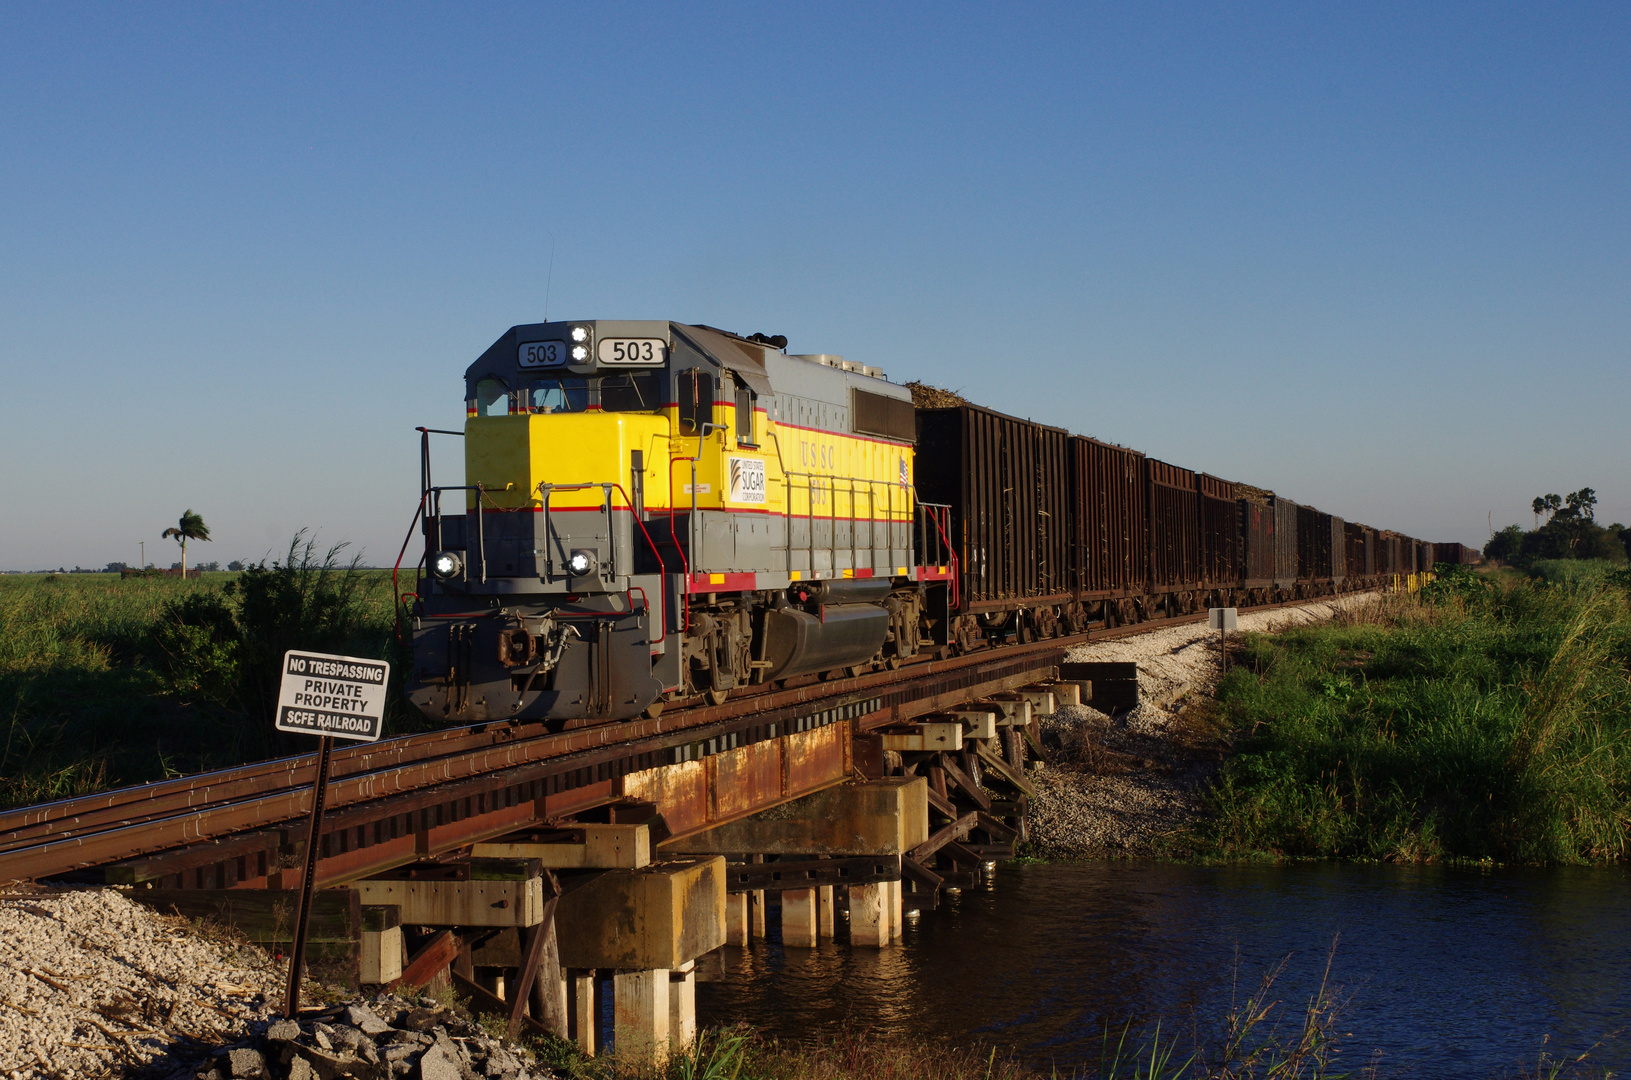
(786, 874)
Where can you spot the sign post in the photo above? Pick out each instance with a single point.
(1223, 620)
(332, 697)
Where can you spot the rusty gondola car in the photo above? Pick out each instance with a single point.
(1221, 567)
(1110, 556)
(1257, 547)
(1457, 555)
(1007, 481)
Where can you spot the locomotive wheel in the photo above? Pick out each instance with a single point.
(716, 697)
(654, 710)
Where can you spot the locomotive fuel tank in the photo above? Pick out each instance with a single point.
(839, 624)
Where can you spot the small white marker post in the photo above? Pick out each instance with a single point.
(332, 697)
(1223, 620)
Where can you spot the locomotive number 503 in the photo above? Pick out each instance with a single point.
(632, 351)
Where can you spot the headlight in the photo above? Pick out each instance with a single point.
(580, 353)
(446, 564)
(581, 562)
(580, 333)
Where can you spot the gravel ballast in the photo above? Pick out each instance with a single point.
(1130, 785)
(93, 984)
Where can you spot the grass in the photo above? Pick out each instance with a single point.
(106, 681)
(1588, 573)
(1489, 721)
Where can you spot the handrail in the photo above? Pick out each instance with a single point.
(691, 527)
(481, 532)
(545, 488)
(928, 511)
(855, 486)
(396, 595)
(662, 565)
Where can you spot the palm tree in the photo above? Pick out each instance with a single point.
(190, 527)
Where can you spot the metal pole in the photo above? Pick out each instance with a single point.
(297, 957)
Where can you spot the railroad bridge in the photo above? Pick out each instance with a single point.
(539, 871)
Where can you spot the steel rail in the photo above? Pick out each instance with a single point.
(284, 794)
(133, 822)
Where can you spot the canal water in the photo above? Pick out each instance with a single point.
(1446, 972)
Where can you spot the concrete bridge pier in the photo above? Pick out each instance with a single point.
(647, 926)
(876, 918)
(581, 1010)
(855, 833)
(640, 1015)
(738, 922)
(801, 918)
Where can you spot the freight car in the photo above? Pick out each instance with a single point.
(659, 510)
(1457, 555)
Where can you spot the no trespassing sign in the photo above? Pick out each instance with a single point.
(339, 696)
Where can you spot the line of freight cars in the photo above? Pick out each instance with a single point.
(1058, 533)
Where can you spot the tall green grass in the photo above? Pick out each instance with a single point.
(1486, 722)
(1576, 572)
(107, 681)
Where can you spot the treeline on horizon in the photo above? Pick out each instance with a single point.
(1571, 531)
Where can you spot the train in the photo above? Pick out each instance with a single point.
(659, 511)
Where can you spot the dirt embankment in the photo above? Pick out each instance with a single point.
(1130, 785)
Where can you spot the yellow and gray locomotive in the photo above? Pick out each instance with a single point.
(658, 510)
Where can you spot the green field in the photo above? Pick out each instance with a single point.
(107, 681)
(1490, 720)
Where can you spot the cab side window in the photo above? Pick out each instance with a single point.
(745, 398)
(492, 398)
(696, 400)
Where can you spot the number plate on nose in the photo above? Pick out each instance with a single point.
(632, 351)
(542, 354)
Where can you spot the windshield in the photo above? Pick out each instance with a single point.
(631, 393)
(641, 392)
(558, 395)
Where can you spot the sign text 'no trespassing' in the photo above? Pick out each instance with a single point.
(340, 696)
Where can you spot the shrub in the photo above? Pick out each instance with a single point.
(197, 636)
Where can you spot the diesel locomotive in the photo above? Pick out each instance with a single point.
(655, 509)
(658, 510)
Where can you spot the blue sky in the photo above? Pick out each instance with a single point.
(1374, 257)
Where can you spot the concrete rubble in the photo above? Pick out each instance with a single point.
(383, 1038)
(1131, 784)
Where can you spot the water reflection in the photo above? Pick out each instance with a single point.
(1452, 972)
